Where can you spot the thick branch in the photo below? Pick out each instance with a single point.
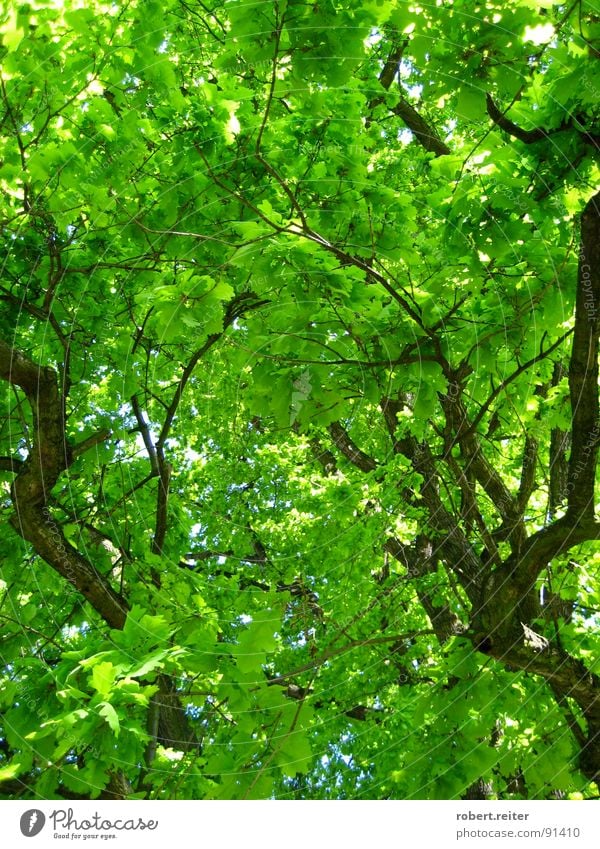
(500, 119)
(461, 430)
(527, 483)
(419, 559)
(349, 448)
(538, 133)
(392, 64)
(162, 503)
(567, 677)
(10, 464)
(323, 456)
(424, 132)
(583, 369)
(49, 456)
(510, 596)
(559, 470)
(451, 540)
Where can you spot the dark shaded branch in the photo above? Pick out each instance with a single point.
(559, 469)
(425, 134)
(90, 442)
(510, 596)
(161, 469)
(554, 540)
(500, 119)
(470, 512)
(152, 728)
(538, 133)
(159, 466)
(296, 588)
(528, 466)
(118, 786)
(187, 373)
(566, 677)
(48, 458)
(560, 441)
(419, 559)
(15, 464)
(146, 436)
(349, 448)
(324, 457)
(279, 22)
(583, 369)
(449, 537)
(10, 464)
(162, 502)
(479, 466)
(392, 63)
(174, 730)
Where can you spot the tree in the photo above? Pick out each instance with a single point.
(299, 343)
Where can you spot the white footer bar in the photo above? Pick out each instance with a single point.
(301, 825)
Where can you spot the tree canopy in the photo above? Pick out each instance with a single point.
(299, 318)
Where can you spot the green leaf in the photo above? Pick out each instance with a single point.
(295, 755)
(471, 103)
(103, 677)
(110, 715)
(149, 663)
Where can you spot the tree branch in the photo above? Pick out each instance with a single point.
(566, 677)
(419, 559)
(392, 64)
(451, 540)
(499, 118)
(538, 133)
(349, 448)
(583, 369)
(331, 653)
(528, 467)
(512, 377)
(10, 464)
(424, 132)
(48, 458)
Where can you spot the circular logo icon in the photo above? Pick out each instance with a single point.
(32, 822)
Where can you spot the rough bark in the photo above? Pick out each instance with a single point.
(349, 449)
(50, 455)
(537, 133)
(583, 369)
(423, 131)
(509, 599)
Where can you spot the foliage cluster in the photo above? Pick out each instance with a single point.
(299, 314)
